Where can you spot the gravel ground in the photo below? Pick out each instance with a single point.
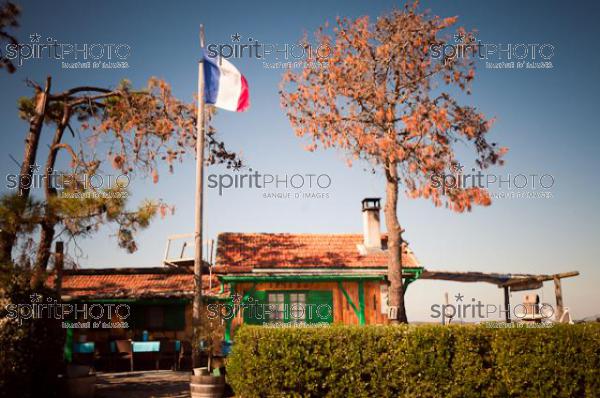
(143, 384)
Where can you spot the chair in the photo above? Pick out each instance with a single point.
(168, 352)
(82, 354)
(185, 354)
(103, 356)
(124, 350)
(83, 358)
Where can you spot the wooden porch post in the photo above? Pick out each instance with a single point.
(507, 304)
(361, 303)
(559, 299)
(58, 266)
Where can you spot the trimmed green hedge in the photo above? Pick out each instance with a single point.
(421, 361)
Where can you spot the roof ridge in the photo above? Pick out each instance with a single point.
(127, 271)
(296, 233)
(288, 250)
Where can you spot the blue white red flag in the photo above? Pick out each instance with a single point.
(225, 86)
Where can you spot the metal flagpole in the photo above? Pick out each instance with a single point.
(198, 207)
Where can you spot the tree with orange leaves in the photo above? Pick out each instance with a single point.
(383, 97)
(133, 131)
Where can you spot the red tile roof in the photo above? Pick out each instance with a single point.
(131, 283)
(241, 252)
(236, 252)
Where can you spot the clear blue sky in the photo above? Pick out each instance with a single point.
(548, 118)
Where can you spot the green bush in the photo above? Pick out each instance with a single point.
(31, 352)
(422, 361)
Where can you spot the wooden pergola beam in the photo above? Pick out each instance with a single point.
(539, 278)
(559, 276)
(501, 280)
(496, 279)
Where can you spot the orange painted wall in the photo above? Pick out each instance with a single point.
(342, 310)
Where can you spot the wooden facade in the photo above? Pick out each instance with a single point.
(354, 298)
(283, 270)
(343, 310)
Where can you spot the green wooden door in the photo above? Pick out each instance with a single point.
(322, 301)
(174, 318)
(253, 314)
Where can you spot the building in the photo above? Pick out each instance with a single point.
(263, 279)
(309, 278)
(257, 278)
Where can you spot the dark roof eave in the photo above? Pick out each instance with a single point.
(255, 277)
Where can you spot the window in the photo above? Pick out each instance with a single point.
(276, 307)
(158, 317)
(155, 317)
(300, 307)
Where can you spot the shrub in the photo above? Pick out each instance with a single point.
(31, 353)
(409, 361)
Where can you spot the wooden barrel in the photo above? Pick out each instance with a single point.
(207, 386)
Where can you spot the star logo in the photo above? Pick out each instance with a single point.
(34, 168)
(459, 37)
(237, 166)
(35, 38)
(459, 297)
(236, 37)
(35, 298)
(456, 167)
(236, 297)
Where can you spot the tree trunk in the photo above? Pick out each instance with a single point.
(43, 253)
(49, 221)
(33, 138)
(8, 238)
(397, 311)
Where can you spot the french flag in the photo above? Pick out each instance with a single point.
(225, 86)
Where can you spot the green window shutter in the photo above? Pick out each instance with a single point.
(138, 317)
(174, 317)
(322, 301)
(250, 313)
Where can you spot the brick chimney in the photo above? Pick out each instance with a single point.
(371, 224)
